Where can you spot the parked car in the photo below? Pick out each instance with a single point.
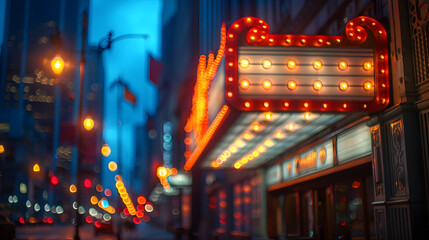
(7, 228)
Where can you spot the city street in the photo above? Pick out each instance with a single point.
(61, 232)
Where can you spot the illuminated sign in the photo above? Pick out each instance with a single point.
(313, 160)
(267, 72)
(307, 162)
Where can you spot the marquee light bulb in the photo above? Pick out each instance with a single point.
(266, 84)
(244, 84)
(307, 116)
(343, 86)
(291, 85)
(291, 64)
(256, 127)
(317, 64)
(342, 65)
(317, 85)
(266, 64)
(367, 86)
(244, 63)
(367, 66)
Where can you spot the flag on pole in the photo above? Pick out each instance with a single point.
(129, 96)
(155, 69)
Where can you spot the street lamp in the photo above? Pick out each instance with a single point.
(88, 124)
(57, 64)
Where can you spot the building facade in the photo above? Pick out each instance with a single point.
(39, 111)
(335, 174)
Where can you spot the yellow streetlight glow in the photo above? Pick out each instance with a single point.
(105, 150)
(1, 148)
(73, 188)
(162, 172)
(88, 124)
(36, 168)
(57, 64)
(112, 166)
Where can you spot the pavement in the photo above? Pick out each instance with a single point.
(142, 231)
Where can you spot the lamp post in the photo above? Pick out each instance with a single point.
(57, 65)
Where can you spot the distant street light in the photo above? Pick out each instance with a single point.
(36, 168)
(1, 148)
(105, 150)
(88, 124)
(57, 64)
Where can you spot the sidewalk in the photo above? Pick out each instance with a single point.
(143, 231)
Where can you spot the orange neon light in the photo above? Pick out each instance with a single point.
(222, 114)
(207, 68)
(124, 195)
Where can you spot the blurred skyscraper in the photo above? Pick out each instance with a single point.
(38, 111)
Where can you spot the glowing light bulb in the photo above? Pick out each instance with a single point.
(247, 136)
(88, 124)
(342, 65)
(244, 84)
(367, 66)
(367, 86)
(268, 116)
(268, 143)
(343, 86)
(256, 127)
(112, 166)
(247, 104)
(317, 64)
(291, 64)
(307, 116)
(290, 126)
(266, 64)
(317, 85)
(57, 64)
(291, 85)
(105, 150)
(266, 84)
(36, 168)
(244, 63)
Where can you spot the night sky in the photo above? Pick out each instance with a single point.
(129, 60)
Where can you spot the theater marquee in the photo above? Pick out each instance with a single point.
(307, 72)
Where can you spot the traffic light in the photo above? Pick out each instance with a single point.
(54, 180)
(87, 183)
